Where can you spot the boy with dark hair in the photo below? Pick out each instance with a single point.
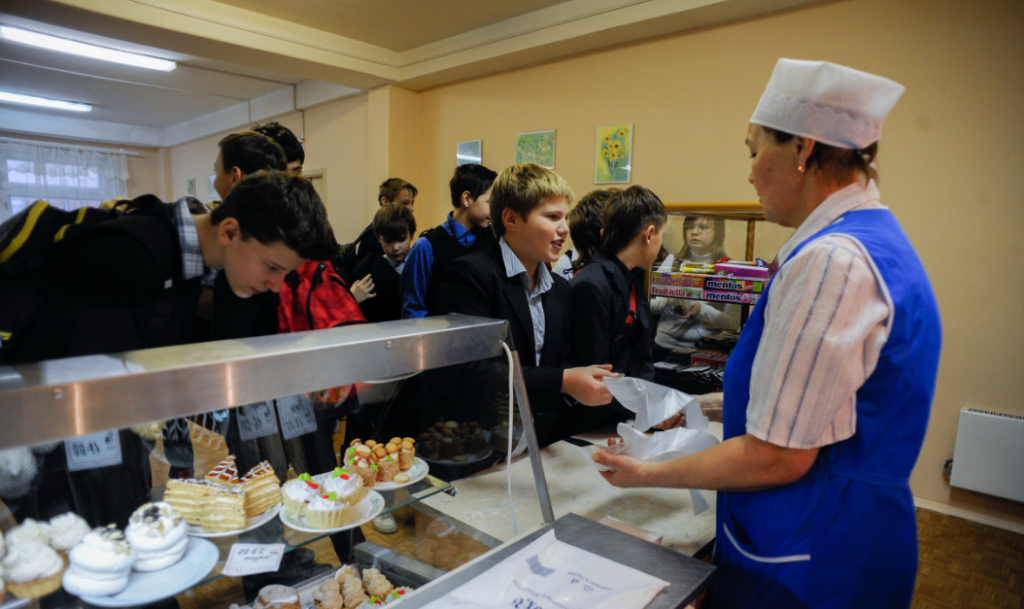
(394, 226)
(585, 222)
(393, 191)
(294, 155)
(509, 280)
(466, 230)
(611, 317)
(241, 154)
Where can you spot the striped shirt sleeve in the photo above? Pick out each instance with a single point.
(825, 325)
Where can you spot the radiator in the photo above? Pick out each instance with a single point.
(989, 454)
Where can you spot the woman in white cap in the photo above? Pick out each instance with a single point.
(828, 392)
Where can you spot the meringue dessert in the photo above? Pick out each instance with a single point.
(157, 534)
(100, 563)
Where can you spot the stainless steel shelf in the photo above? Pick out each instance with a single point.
(59, 399)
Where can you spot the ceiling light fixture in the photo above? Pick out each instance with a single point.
(86, 50)
(42, 101)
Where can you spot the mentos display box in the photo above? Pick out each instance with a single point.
(746, 298)
(686, 280)
(735, 285)
(676, 291)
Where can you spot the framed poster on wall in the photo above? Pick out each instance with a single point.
(613, 155)
(537, 147)
(469, 152)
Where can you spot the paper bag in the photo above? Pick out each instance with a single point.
(655, 403)
(551, 574)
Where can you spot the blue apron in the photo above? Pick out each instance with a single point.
(844, 535)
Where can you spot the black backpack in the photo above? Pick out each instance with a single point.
(33, 245)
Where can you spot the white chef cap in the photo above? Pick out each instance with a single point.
(826, 102)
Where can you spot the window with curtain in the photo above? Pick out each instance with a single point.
(65, 177)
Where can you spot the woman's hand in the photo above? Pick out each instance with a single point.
(363, 289)
(630, 472)
(688, 308)
(586, 384)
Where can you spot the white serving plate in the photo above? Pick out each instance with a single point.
(363, 511)
(253, 523)
(144, 588)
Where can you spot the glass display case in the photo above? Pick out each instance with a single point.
(101, 436)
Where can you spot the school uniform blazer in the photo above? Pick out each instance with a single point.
(476, 284)
(600, 297)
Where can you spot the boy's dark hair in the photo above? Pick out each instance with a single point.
(284, 138)
(627, 214)
(274, 206)
(251, 152)
(472, 178)
(391, 188)
(521, 188)
(585, 222)
(393, 223)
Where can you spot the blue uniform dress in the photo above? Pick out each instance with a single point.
(844, 535)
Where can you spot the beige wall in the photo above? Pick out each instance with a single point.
(950, 159)
(143, 170)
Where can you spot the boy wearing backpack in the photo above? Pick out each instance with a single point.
(394, 227)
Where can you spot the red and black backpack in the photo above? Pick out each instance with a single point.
(314, 297)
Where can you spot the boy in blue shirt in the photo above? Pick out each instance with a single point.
(467, 229)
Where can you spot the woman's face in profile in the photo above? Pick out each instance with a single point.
(700, 235)
(774, 174)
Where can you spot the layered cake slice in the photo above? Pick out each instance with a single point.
(224, 510)
(225, 474)
(262, 489)
(187, 498)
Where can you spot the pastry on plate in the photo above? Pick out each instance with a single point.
(348, 486)
(262, 489)
(225, 474)
(402, 478)
(100, 563)
(347, 572)
(187, 498)
(387, 464)
(326, 512)
(298, 493)
(375, 583)
(406, 454)
(158, 535)
(224, 510)
(277, 597)
(65, 532)
(328, 595)
(32, 569)
(364, 466)
(397, 594)
(28, 530)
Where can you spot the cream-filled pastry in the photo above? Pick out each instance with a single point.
(66, 531)
(31, 569)
(28, 530)
(158, 535)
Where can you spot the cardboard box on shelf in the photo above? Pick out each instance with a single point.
(686, 280)
(742, 271)
(734, 285)
(730, 297)
(675, 291)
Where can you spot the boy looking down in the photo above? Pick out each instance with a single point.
(394, 226)
(466, 230)
(509, 280)
(393, 191)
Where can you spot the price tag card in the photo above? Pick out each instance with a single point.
(297, 417)
(94, 450)
(251, 558)
(256, 420)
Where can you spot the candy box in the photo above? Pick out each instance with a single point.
(675, 291)
(746, 298)
(735, 285)
(743, 271)
(692, 267)
(686, 280)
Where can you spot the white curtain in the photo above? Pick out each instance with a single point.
(63, 176)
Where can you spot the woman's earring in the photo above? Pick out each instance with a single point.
(800, 168)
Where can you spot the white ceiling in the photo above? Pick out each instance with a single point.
(242, 61)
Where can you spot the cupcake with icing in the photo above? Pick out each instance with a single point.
(29, 530)
(298, 493)
(158, 535)
(348, 486)
(326, 511)
(65, 532)
(100, 563)
(32, 569)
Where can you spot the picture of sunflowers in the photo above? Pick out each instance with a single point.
(537, 147)
(614, 152)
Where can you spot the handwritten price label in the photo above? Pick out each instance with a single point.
(252, 558)
(297, 416)
(256, 420)
(95, 450)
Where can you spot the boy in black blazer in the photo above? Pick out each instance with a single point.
(509, 280)
(611, 316)
(394, 227)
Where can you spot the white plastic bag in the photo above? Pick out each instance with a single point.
(655, 403)
(549, 574)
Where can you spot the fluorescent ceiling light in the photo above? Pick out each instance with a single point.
(42, 101)
(86, 50)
